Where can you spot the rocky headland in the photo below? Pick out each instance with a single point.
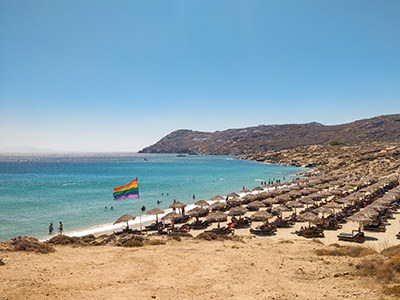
(372, 159)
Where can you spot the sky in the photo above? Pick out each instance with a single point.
(100, 76)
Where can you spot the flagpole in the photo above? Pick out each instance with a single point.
(140, 209)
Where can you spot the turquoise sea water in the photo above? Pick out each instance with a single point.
(36, 190)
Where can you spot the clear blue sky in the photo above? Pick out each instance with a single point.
(119, 75)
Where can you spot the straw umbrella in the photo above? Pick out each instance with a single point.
(245, 191)
(217, 216)
(172, 216)
(233, 195)
(202, 203)
(255, 205)
(217, 205)
(326, 194)
(234, 201)
(307, 201)
(280, 209)
(258, 188)
(218, 197)
(155, 211)
(125, 218)
(237, 211)
(295, 204)
(333, 205)
(323, 210)
(310, 217)
(178, 205)
(361, 219)
(269, 201)
(198, 212)
(261, 215)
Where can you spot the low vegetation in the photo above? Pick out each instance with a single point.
(352, 251)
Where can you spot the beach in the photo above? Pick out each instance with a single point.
(240, 265)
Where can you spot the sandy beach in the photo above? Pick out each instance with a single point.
(238, 266)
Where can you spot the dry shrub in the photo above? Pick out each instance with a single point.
(395, 263)
(132, 243)
(212, 236)
(286, 242)
(317, 241)
(393, 290)
(154, 242)
(391, 251)
(88, 238)
(376, 268)
(352, 251)
(63, 240)
(180, 234)
(336, 245)
(2, 263)
(28, 243)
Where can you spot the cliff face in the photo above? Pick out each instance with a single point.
(265, 138)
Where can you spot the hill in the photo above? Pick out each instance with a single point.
(264, 138)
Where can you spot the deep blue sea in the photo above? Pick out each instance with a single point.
(36, 190)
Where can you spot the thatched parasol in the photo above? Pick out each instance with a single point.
(258, 188)
(269, 201)
(245, 191)
(218, 197)
(237, 211)
(217, 216)
(307, 201)
(294, 204)
(217, 205)
(280, 209)
(333, 205)
(172, 216)
(202, 203)
(178, 205)
(261, 215)
(323, 210)
(283, 198)
(256, 205)
(198, 212)
(361, 219)
(125, 218)
(233, 195)
(155, 211)
(235, 201)
(325, 194)
(310, 217)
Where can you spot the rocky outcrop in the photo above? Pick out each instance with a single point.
(265, 138)
(373, 158)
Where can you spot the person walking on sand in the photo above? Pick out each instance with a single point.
(60, 228)
(51, 228)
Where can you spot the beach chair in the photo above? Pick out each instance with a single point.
(376, 227)
(183, 228)
(356, 236)
(242, 223)
(263, 230)
(398, 235)
(199, 225)
(223, 230)
(153, 226)
(312, 232)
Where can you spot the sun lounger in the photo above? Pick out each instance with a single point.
(357, 237)
(264, 230)
(199, 225)
(222, 230)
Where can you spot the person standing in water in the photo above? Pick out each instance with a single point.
(60, 228)
(51, 228)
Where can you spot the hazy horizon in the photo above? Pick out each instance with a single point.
(102, 76)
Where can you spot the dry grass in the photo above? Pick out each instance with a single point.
(27, 243)
(393, 290)
(317, 241)
(286, 242)
(376, 268)
(154, 242)
(391, 251)
(352, 251)
(211, 236)
(2, 263)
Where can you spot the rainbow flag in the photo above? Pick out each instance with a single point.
(129, 190)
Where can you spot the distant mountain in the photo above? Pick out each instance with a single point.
(265, 138)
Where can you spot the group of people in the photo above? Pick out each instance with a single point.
(60, 228)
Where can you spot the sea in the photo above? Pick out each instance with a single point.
(37, 189)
